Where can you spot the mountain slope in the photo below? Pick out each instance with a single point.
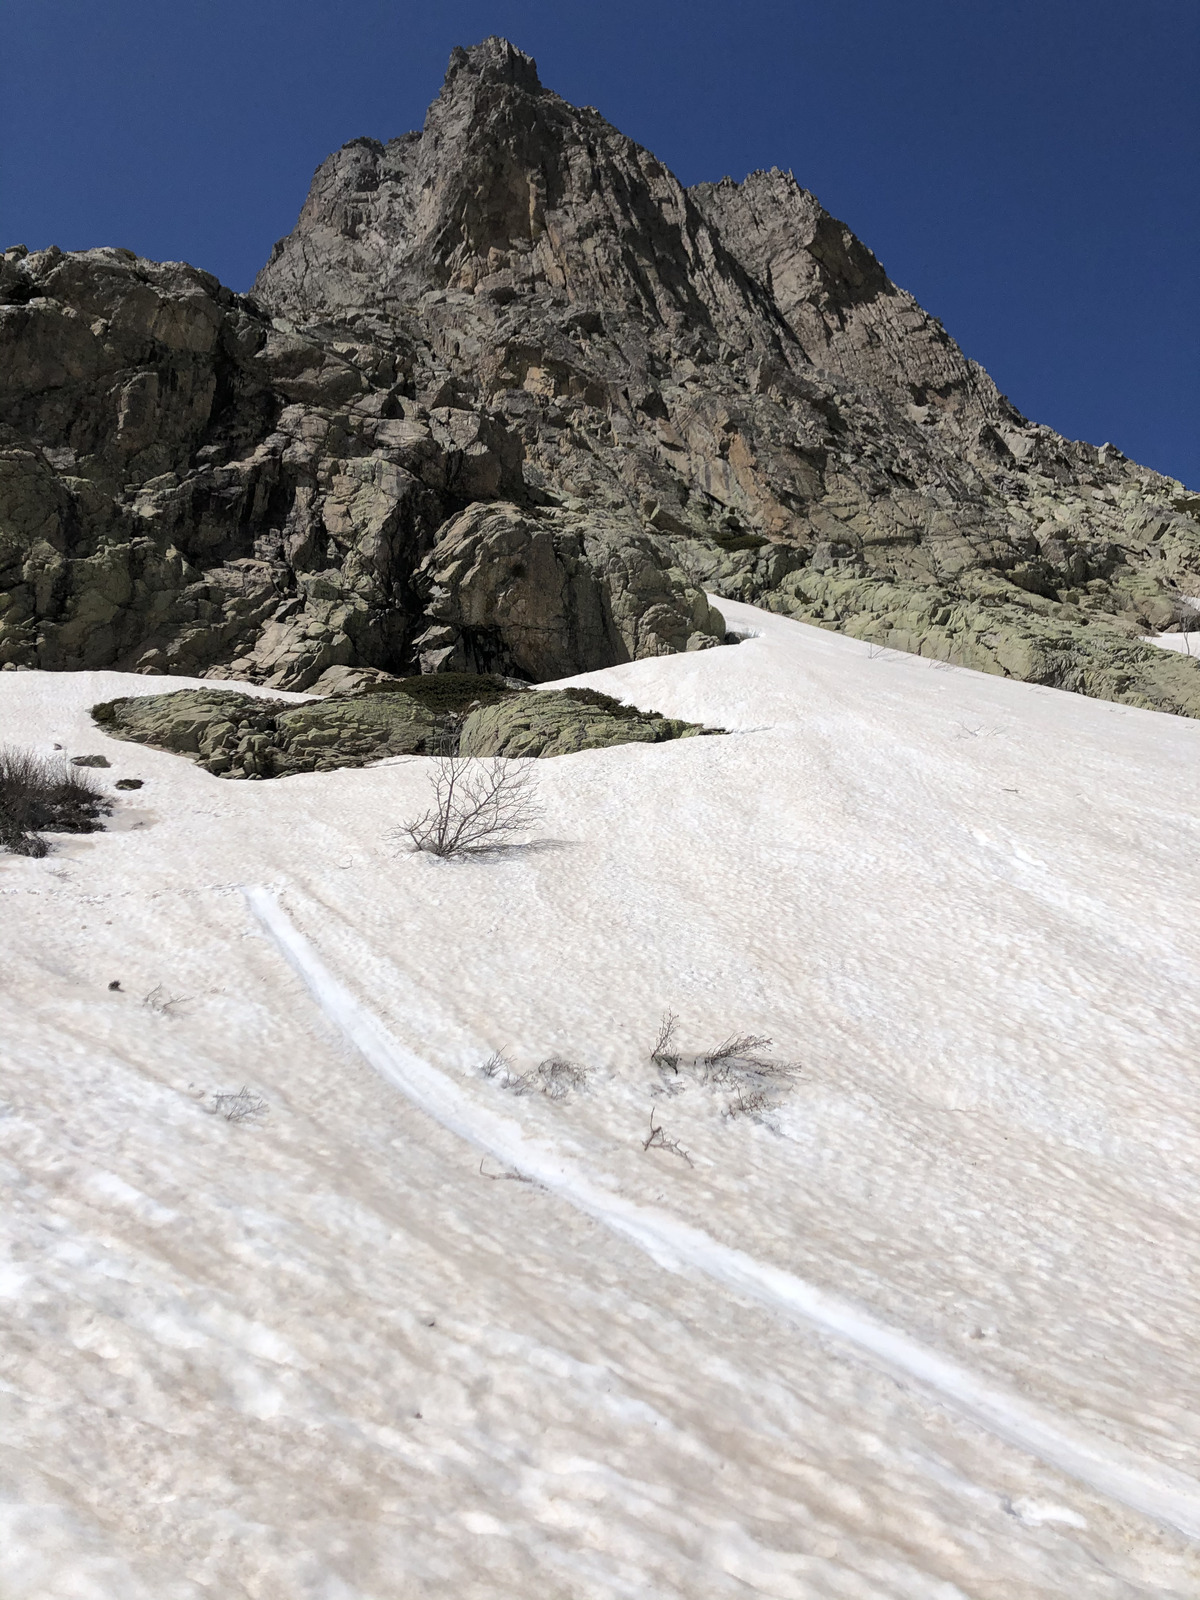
(321, 1351)
(510, 356)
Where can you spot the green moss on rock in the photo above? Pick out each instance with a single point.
(559, 722)
(242, 736)
(236, 735)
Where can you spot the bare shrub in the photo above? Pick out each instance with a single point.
(738, 1060)
(553, 1078)
(738, 1064)
(44, 794)
(162, 1003)
(477, 805)
(662, 1055)
(556, 1079)
(241, 1106)
(739, 1047)
(657, 1139)
(757, 1104)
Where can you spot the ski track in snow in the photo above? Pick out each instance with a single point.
(1147, 1487)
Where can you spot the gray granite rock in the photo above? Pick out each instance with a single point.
(510, 398)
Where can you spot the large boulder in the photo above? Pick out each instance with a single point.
(549, 594)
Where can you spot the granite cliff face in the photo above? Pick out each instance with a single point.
(510, 399)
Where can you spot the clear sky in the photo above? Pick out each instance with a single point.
(1030, 169)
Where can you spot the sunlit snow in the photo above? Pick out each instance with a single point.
(332, 1349)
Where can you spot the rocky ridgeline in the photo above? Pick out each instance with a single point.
(509, 400)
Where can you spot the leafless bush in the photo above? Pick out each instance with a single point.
(44, 794)
(662, 1055)
(477, 805)
(757, 1104)
(657, 1139)
(162, 1003)
(739, 1047)
(241, 1106)
(738, 1060)
(756, 1082)
(553, 1077)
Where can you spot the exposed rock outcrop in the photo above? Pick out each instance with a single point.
(236, 735)
(545, 595)
(510, 398)
(559, 722)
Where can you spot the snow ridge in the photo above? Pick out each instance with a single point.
(1148, 1487)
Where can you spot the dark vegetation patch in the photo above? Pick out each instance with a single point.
(448, 693)
(606, 703)
(40, 794)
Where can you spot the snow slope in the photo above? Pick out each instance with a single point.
(323, 1353)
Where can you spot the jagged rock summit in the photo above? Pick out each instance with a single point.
(510, 399)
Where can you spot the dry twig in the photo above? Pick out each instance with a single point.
(514, 1177)
(159, 1001)
(240, 1107)
(658, 1140)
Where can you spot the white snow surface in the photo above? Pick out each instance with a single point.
(928, 1332)
(1185, 643)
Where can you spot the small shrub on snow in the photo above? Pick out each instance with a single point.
(757, 1104)
(237, 1106)
(755, 1083)
(477, 805)
(553, 1077)
(662, 1054)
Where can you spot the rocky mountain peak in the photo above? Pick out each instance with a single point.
(491, 62)
(511, 399)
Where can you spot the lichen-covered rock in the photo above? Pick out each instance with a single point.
(242, 736)
(559, 722)
(549, 594)
(987, 624)
(236, 735)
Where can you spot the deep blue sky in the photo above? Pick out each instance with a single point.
(1028, 168)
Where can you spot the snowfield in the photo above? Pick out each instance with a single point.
(926, 1331)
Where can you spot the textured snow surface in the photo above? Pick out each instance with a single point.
(320, 1352)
